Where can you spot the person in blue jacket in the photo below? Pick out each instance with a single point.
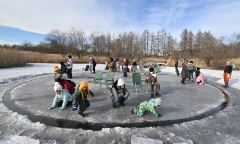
(64, 97)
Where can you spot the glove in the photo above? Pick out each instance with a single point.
(51, 107)
(228, 76)
(159, 115)
(61, 108)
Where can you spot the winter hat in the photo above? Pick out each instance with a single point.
(185, 61)
(120, 82)
(57, 86)
(55, 66)
(191, 62)
(111, 59)
(198, 68)
(61, 63)
(69, 56)
(151, 69)
(83, 84)
(157, 101)
(58, 79)
(90, 57)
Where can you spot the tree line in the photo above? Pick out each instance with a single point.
(129, 44)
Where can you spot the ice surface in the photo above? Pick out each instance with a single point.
(178, 101)
(204, 131)
(15, 139)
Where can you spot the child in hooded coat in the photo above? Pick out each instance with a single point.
(119, 93)
(56, 71)
(64, 96)
(80, 98)
(150, 105)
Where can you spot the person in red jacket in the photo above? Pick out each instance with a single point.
(66, 85)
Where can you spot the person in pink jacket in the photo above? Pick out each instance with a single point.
(69, 66)
(199, 79)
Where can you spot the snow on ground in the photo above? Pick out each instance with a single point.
(234, 81)
(36, 69)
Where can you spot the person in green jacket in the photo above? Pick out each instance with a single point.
(150, 105)
(64, 97)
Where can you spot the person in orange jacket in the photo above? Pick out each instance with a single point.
(227, 74)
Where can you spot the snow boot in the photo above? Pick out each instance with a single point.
(226, 85)
(151, 96)
(158, 95)
(81, 114)
(134, 111)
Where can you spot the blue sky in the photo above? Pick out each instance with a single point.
(31, 20)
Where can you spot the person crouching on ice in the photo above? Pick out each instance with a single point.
(119, 93)
(150, 105)
(199, 79)
(64, 96)
(80, 98)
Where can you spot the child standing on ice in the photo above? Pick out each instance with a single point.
(56, 71)
(119, 93)
(64, 96)
(199, 79)
(80, 98)
(90, 68)
(150, 105)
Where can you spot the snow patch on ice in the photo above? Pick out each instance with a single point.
(15, 139)
(142, 139)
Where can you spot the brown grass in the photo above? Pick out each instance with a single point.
(15, 58)
(12, 58)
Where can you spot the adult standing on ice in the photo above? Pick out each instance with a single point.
(227, 74)
(176, 64)
(184, 73)
(111, 65)
(69, 66)
(94, 63)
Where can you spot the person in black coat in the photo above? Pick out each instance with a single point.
(94, 63)
(176, 64)
(184, 73)
(197, 72)
(227, 74)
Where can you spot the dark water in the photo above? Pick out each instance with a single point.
(99, 126)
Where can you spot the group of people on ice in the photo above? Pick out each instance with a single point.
(65, 94)
(189, 68)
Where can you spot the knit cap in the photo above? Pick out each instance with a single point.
(57, 86)
(84, 84)
(55, 66)
(157, 101)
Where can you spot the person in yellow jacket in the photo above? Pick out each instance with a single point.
(56, 70)
(227, 74)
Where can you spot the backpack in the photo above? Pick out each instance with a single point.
(190, 67)
(72, 83)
